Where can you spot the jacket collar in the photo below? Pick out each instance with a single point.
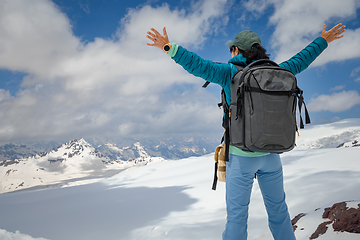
(238, 60)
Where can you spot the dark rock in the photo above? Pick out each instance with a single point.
(343, 219)
(336, 210)
(321, 229)
(341, 145)
(296, 219)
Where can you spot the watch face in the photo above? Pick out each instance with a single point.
(166, 48)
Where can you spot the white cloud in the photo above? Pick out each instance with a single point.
(355, 74)
(298, 22)
(187, 28)
(4, 95)
(109, 86)
(336, 102)
(338, 88)
(257, 6)
(34, 36)
(5, 235)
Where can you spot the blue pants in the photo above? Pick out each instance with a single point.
(240, 172)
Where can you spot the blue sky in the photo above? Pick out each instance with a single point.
(81, 68)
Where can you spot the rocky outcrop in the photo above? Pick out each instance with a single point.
(342, 217)
(321, 229)
(354, 143)
(296, 219)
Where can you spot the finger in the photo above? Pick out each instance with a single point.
(164, 32)
(150, 44)
(151, 34)
(156, 32)
(338, 37)
(151, 38)
(335, 27)
(341, 31)
(338, 25)
(324, 28)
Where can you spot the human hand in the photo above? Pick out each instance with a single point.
(158, 39)
(333, 33)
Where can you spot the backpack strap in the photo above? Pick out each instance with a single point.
(300, 103)
(226, 119)
(205, 84)
(216, 157)
(226, 125)
(215, 177)
(225, 138)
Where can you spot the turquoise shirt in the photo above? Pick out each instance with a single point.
(222, 73)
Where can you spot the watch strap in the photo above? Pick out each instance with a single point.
(173, 50)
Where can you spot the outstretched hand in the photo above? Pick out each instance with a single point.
(333, 33)
(158, 39)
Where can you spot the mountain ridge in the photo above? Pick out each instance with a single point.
(168, 148)
(72, 163)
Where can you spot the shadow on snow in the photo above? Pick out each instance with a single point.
(92, 211)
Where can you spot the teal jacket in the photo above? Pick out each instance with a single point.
(222, 73)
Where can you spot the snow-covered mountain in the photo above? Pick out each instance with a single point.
(120, 149)
(168, 148)
(73, 163)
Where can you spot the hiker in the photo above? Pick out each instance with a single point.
(243, 165)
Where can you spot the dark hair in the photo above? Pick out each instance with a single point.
(255, 53)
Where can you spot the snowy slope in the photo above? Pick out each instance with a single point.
(329, 135)
(173, 199)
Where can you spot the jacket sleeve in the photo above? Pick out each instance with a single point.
(305, 57)
(213, 72)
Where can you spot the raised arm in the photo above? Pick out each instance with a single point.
(305, 57)
(210, 71)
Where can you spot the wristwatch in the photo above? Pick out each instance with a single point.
(167, 47)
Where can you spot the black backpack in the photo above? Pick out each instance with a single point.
(262, 113)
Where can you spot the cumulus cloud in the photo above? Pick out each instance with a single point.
(34, 36)
(5, 235)
(298, 22)
(336, 102)
(76, 89)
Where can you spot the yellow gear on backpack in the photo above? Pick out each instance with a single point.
(221, 163)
